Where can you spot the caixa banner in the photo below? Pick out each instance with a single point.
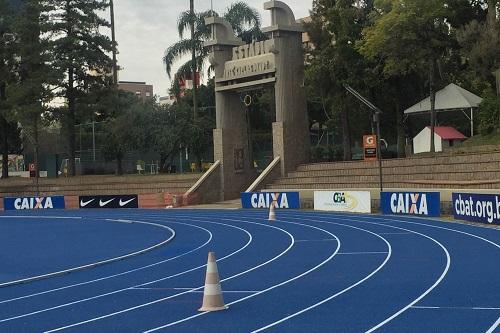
(108, 201)
(30, 203)
(410, 203)
(484, 208)
(286, 200)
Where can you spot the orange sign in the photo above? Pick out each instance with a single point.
(32, 167)
(370, 147)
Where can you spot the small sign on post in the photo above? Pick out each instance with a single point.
(32, 169)
(370, 147)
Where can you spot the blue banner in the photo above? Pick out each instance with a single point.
(410, 203)
(283, 200)
(484, 208)
(29, 203)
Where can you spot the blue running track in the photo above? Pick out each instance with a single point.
(143, 271)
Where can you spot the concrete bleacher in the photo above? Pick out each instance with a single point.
(450, 170)
(101, 185)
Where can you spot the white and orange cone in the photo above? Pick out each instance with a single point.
(212, 294)
(272, 213)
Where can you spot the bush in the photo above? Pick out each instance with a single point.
(489, 115)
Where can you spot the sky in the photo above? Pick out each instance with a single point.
(145, 29)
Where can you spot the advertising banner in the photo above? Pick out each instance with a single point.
(484, 208)
(285, 200)
(343, 201)
(370, 147)
(108, 201)
(411, 203)
(29, 203)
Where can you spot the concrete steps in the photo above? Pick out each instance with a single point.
(479, 170)
(92, 185)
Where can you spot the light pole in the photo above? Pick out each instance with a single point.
(376, 118)
(113, 40)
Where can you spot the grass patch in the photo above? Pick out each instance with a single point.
(492, 139)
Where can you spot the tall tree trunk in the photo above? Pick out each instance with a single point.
(193, 59)
(36, 159)
(70, 95)
(432, 70)
(119, 165)
(5, 136)
(346, 134)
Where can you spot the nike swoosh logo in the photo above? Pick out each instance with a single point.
(123, 203)
(104, 203)
(83, 204)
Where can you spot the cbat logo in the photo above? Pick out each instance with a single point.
(265, 199)
(33, 203)
(409, 203)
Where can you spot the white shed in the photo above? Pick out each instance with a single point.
(444, 136)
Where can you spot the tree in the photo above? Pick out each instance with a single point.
(125, 133)
(409, 36)
(81, 53)
(479, 41)
(32, 91)
(169, 132)
(334, 30)
(6, 76)
(244, 20)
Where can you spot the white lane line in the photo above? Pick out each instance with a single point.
(42, 217)
(195, 290)
(494, 326)
(389, 253)
(434, 226)
(99, 263)
(354, 253)
(443, 274)
(316, 240)
(125, 289)
(119, 274)
(267, 289)
(453, 307)
(394, 233)
(185, 292)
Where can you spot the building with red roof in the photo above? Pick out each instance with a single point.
(444, 137)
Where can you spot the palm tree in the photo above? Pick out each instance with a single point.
(244, 20)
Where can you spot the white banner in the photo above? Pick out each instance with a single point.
(343, 201)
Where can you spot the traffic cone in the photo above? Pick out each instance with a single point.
(272, 213)
(212, 294)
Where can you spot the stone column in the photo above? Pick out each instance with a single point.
(231, 135)
(291, 130)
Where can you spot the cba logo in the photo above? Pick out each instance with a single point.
(339, 197)
(346, 201)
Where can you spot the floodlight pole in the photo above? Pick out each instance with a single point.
(376, 118)
(113, 40)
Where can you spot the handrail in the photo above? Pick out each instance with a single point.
(267, 171)
(204, 177)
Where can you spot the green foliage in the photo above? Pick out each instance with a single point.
(489, 115)
(406, 34)
(244, 20)
(80, 55)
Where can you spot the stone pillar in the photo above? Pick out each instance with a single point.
(291, 130)
(231, 135)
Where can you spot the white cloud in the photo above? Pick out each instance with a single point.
(145, 28)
